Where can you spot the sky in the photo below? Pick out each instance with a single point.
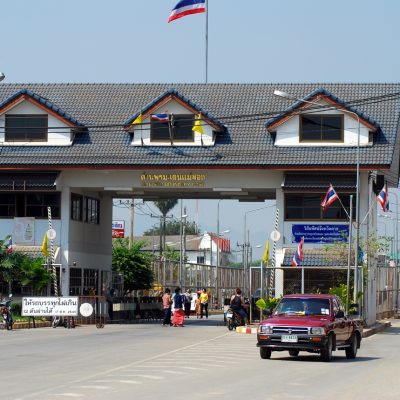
(256, 41)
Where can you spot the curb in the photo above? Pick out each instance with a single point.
(246, 329)
(378, 327)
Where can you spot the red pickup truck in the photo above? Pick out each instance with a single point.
(310, 322)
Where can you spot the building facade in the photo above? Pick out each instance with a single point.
(75, 147)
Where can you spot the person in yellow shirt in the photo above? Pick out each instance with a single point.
(203, 303)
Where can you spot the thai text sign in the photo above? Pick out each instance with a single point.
(50, 306)
(173, 180)
(319, 233)
(118, 229)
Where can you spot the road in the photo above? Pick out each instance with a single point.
(200, 361)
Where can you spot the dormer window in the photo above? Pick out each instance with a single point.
(321, 128)
(26, 127)
(177, 127)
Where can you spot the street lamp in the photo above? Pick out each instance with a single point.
(290, 97)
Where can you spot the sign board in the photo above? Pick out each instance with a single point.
(50, 306)
(179, 180)
(51, 234)
(24, 231)
(118, 229)
(275, 236)
(319, 233)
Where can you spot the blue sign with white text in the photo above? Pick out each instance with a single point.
(320, 233)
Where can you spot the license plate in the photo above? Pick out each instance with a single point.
(289, 338)
(229, 315)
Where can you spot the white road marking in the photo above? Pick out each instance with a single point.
(94, 387)
(69, 394)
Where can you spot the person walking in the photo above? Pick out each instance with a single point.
(179, 315)
(197, 304)
(188, 302)
(203, 303)
(167, 302)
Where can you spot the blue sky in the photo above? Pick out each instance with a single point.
(253, 41)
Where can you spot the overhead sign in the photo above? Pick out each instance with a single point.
(173, 180)
(318, 233)
(50, 306)
(118, 229)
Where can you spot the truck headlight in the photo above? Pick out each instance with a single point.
(265, 329)
(317, 331)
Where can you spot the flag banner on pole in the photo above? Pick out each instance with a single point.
(9, 244)
(383, 198)
(164, 118)
(266, 253)
(187, 7)
(330, 197)
(138, 120)
(298, 255)
(198, 126)
(45, 250)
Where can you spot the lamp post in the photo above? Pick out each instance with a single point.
(182, 234)
(357, 222)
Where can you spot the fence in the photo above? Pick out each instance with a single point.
(195, 276)
(387, 291)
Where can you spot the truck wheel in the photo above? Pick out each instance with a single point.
(293, 353)
(326, 352)
(265, 353)
(351, 352)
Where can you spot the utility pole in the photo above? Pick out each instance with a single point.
(131, 220)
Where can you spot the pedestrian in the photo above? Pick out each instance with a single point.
(203, 302)
(179, 315)
(110, 300)
(167, 302)
(197, 304)
(188, 302)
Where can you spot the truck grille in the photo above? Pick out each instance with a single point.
(290, 330)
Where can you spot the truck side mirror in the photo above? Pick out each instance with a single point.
(268, 311)
(339, 314)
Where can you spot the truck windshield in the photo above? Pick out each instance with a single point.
(303, 306)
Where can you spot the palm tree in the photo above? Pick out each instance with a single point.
(165, 206)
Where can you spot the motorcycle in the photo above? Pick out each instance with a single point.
(5, 311)
(234, 319)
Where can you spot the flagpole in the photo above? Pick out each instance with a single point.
(206, 41)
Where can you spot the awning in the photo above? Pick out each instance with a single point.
(34, 251)
(317, 258)
(28, 180)
(319, 181)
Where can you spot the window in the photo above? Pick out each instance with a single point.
(321, 128)
(180, 129)
(76, 207)
(92, 211)
(26, 128)
(308, 207)
(200, 260)
(29, 205)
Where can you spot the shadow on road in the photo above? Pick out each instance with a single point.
(316, 358)
(392, 330)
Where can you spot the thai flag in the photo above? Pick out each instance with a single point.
(298, 255)
(187, 7)
(330, 197)
(383, 198)
(164, 118)
(9, 245)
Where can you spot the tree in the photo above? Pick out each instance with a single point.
(133, 264)
(165, 206)
(173, 228)
(27, 270)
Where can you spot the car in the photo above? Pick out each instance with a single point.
(312, 323)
